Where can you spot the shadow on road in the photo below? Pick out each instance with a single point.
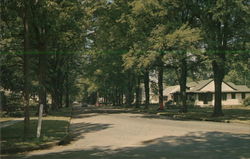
(82, 128)
(210, 145)
(86, 112)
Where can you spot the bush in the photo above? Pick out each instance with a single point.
(246, 102)
(13, 102)
(16, 114)
(2, 100)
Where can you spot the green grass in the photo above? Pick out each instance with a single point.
(12, 136)
(54, 129)
(237, 114)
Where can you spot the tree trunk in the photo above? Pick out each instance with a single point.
(54, 102)
(42, 81)
(26, 60)
(160, 87)
(137, 99)
(121, 98)
(219, 71)
(183, 83)
(41, 47)
(60, 90)
(129, 93)
(26, 96)
(67, 102)
(60, 99)
(146, 87)
(116, 96)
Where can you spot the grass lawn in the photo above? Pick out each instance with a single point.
(54, 129)
(237, 114)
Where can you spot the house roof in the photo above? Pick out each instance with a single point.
(200, 85)
(242, 88)
(171, 89)
(196, 87)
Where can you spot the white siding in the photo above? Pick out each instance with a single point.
(237, 101)
(230, 101)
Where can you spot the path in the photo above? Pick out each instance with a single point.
(115, 134)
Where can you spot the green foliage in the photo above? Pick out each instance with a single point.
(17, 114)
(101, 48)
(183, 38)
(246, 101)
(11, 68)
(13, 104)
(57, 29)
(239, 70)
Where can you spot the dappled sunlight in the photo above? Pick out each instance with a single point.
(112, 134)
(191, 145)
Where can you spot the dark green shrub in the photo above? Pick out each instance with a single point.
(13, 102)
(246, 102)
(2, 100)
(16, 114)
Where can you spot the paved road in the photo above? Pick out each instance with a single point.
(120, 135)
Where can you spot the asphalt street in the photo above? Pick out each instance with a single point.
(104, 134)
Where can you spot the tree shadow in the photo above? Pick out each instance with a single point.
(78, 130)
(209, 145)
(8, 123)
(87, 112)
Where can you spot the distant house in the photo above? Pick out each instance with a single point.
(202, 93)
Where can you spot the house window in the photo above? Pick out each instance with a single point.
(224, 96)
(243, 95)
(233, 95)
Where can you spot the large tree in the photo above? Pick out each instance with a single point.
(224, 24)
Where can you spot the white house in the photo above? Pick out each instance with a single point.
(202, 93)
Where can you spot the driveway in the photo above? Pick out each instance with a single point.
(116, 134)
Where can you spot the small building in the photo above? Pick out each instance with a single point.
(202, 93)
